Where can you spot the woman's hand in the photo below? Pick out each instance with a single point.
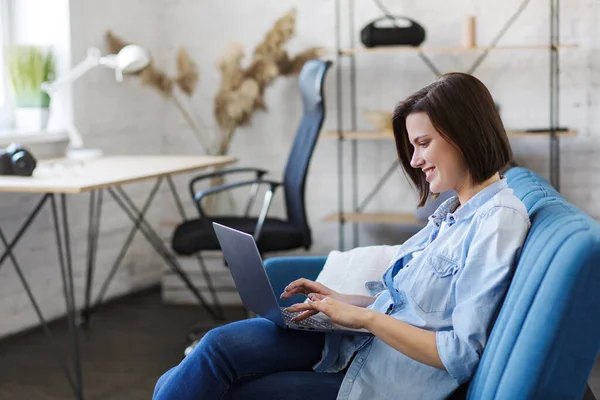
(339, 312)
(306, 286)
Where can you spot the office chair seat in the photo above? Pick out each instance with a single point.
(196, 235)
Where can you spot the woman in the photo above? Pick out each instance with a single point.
(432, 318)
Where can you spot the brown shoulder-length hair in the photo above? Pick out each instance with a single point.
(462, 110)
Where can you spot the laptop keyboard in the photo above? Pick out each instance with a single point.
(310, 322)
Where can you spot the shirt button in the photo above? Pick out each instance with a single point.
(360, 360)
(350, 379)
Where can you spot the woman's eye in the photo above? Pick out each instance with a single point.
(424, 144)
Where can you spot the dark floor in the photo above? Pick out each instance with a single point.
(129, 344)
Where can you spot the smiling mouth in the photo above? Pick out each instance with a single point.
(428, 172)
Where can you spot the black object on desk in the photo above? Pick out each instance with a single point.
(17, 160)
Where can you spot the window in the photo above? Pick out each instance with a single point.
(5, 40)
(40, 23)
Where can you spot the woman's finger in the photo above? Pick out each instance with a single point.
(298, 307)
(316, 296)
(289, 293)
(317, 304)
(304, 315)
(298, 286)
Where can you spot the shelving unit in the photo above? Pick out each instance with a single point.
(444, 49)
(356, 215)
(383, 135)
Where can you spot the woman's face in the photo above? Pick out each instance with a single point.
(440, 161)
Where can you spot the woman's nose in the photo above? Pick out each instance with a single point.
(416, 161)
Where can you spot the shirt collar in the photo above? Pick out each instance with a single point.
(468, 209)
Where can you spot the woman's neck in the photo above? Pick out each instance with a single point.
(468, 192)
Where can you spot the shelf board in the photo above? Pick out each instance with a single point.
(388, 135)
(377, 218)
(446, 49)
(361, 135)
(570, 132)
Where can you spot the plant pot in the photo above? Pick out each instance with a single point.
(31, 118)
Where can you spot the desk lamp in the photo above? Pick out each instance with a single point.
(129, 60)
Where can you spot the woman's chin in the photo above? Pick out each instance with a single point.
(435, 187)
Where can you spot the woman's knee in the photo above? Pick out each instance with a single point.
(161, 381)
(222, 340)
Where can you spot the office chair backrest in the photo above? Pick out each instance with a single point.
(311, 79)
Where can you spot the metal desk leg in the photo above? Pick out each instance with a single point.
(23, 228)
(76, 385)
(95, 210)
(131, 210)
(93, 232)
(66, 268)
(137, 216)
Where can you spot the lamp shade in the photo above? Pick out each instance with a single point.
(132, 58)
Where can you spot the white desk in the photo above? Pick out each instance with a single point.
(71, 176)
(61, 177)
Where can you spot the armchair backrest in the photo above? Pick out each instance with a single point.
(311, 80)
(547, 335)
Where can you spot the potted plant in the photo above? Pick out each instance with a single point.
(28, 67)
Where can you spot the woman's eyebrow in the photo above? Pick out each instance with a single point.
(418, 137)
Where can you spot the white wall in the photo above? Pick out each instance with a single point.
(117, 118)
(517, 79)
(128, 118)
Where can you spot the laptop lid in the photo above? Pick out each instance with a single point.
(248, 271)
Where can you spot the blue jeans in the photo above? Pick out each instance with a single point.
(251, 359)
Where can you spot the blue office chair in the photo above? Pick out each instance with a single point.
(271, 234)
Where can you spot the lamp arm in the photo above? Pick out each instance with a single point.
(92, 60)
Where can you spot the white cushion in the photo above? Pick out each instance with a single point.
(348, 271)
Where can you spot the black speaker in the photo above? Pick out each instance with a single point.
(16, 160)
(395, 34)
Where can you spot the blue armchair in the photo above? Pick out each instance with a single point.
(547, 335)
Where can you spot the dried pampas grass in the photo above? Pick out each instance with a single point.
(186, 79)
(188, 76)
(294, 66)
(282, 31)
(115, 43)
(230, 65)
(157, 79)
(242, 89)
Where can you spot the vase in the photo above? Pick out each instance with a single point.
(31, 118)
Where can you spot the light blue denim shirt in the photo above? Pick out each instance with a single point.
(451, 283)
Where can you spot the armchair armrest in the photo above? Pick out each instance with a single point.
(283, 270)
(256, 182)
(253, 191)
(203, 193)
(196, 179)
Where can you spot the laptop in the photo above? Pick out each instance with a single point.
(246, 265)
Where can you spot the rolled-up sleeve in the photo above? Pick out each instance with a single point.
(480, 287)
